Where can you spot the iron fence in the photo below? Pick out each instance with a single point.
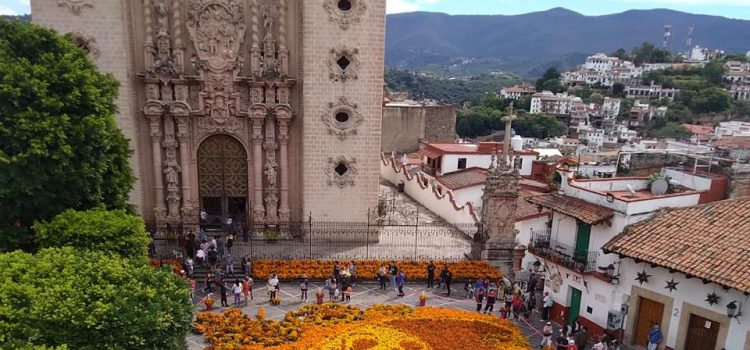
(340, 240)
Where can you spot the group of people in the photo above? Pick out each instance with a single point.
(340, 284)
(239, 288)
(569, 338)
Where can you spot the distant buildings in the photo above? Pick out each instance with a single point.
(650, 92)
(518, 92)
(642, 113)
(733, 128)
(549, 103)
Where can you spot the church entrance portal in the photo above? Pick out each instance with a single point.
(222, 179)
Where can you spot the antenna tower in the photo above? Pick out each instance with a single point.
(689, 43)
(667, 36)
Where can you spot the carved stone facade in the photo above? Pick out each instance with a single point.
(215, 113)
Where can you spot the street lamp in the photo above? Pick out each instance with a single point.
(734, 311)
(614, 277)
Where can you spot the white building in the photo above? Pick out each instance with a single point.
(439, 159)
(555, 104)
(733, 128)
(587, 214)
(740, 92)
(517, 92)
(702, 54)
(642, 113)
(688, 273)
(650, 92)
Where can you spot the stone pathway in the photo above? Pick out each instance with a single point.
(365, 295)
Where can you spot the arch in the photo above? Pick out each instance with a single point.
(222, 178)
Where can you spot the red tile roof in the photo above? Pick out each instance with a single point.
(699, 129)
(587, 212)
(526, 210)
(463, 178)
(709, 241)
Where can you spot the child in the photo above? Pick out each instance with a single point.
(246, 289)
(303, 288)
(348, 293)
(503, 311)
(490, 301)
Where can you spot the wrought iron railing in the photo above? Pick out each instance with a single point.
(342, 240)
(544, 246)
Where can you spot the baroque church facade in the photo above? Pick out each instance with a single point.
(266, 111)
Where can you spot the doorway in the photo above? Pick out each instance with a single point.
(702, 333)
(222, 179)
(575, 305)
(649, 313)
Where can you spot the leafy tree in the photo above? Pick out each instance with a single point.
(90, 300)
(714, 72)
(539, 126)
(551, 74)
(737, 57)
(97, 229)
(618, 89)
(621, 54)
(625, 106)
(553, 85)
(711, 100)
(670, 130)
(596, 98)
(648, 53)
(58, 136)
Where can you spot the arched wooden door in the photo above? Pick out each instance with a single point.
(222, 178)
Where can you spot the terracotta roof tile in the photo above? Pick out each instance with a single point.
(526, 210)
(709, 241)
(587, 212)
(463, 178)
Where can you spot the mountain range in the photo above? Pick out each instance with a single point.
(527, 44)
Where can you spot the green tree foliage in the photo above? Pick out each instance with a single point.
(90, 300)
(737, 57)
(625, 106)
(58, 137)
(539, 126)
(478, 121)
(714, 72)
(648, 53)
(709, 100)
(596, 98)
(669, 130)
(448, 90)
(618, 89)
(113, 231)
(621, 54)
(550, 81)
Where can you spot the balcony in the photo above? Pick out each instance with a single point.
(543, 246)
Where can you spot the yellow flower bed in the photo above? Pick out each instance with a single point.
(335, 327)
(368, 269)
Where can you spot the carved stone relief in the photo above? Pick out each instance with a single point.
(75, 6)
(342, 118)
(341, 171)
(345, 12)
(343, 64)
(87, 43)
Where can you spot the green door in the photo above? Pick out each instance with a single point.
(583, 237)
(575, 305)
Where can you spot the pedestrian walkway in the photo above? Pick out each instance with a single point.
(365, 295)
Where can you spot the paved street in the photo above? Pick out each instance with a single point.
(365, 295)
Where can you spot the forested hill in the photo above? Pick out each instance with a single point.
(529, 43)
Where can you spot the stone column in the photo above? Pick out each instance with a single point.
(283, 116)
(160, 210)
(188, 208)
(258, 115)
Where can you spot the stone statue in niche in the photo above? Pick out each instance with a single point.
(171, 169)
(270, 172)
(162, 15)
(283, 95)
(164, 63)
(269, 61)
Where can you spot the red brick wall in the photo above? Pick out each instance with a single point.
(717, 192)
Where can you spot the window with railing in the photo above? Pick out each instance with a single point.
(576, 259)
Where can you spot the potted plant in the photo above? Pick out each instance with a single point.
(271, 235)
(423, 298)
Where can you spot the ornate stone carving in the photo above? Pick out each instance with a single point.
(162, 15)
(343, 64)
(342, 118)
(217, 30)
(270, 172)
(345, 12)
(75, 6)
(341, 171)
(87, 43)
(269, 60)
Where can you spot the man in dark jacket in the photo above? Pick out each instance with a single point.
(582, 338)
(430, 275)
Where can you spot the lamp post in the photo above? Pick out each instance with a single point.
(734, 311)
(614, 276)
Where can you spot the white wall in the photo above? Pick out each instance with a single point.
(450, 162)
(471, 194)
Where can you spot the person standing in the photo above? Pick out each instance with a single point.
(479, 298)
(582, 338)
(348, 294)
(448, 280)
(547, 306)
(517, 305)
(190, 244)
(246, 290)
(336, 271)
(248, 267)
(273, 286)
(237, 291)
(400, 281)
(230, 243)
(381, 276)
(443, 272)
(213, 257)
(230, 264)
(654, 337)
(220, 244)
(469, 288)
(393, 273)
(332, 287)
(546, 335)
(303, 288)
(531, 303)
(223, 290)
(353, 272)
(430, 274)
(491, 295)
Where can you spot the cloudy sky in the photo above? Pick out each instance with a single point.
(727, 8)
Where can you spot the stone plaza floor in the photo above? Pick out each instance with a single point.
(367, 294)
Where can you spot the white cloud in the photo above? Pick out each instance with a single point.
(398, 6)
(7, 11)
